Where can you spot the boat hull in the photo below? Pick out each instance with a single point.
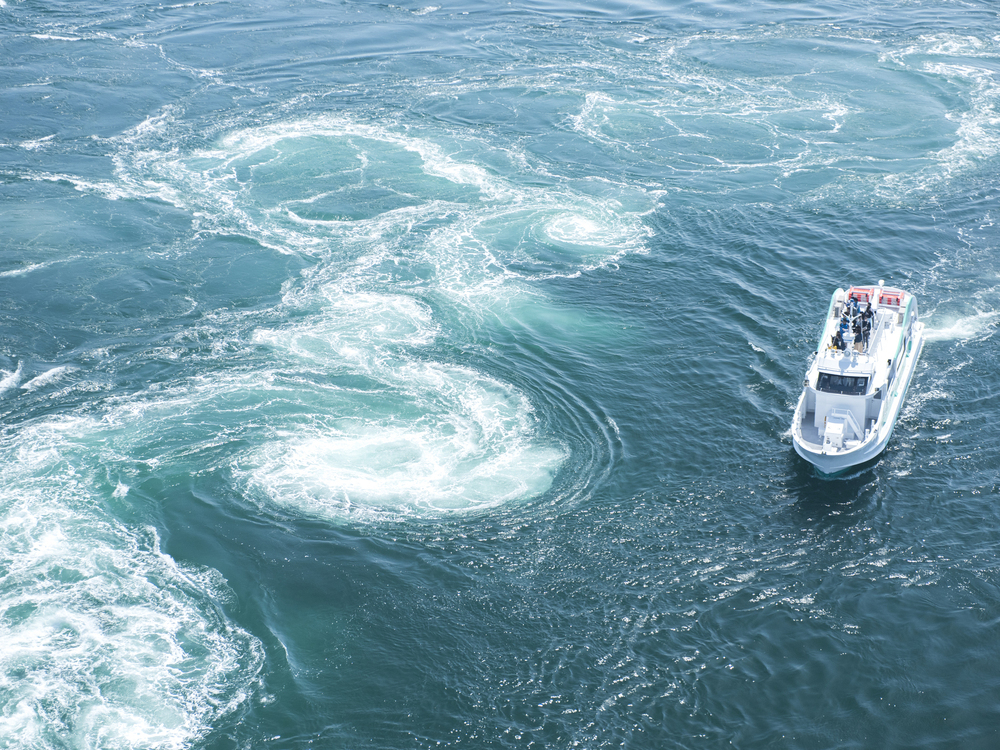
(837, 463)
(827, 457)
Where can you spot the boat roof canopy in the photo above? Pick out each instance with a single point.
(846, 363)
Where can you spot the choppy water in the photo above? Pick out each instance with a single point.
(406, 375)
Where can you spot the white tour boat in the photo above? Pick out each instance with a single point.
(857, 381)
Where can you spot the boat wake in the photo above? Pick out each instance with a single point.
(976, 327)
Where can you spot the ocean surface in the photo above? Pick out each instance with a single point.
(408, 375)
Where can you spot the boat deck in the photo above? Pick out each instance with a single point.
(809, 433)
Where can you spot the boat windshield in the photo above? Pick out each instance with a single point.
(850, 385)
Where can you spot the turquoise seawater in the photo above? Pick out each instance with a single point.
(419, 375)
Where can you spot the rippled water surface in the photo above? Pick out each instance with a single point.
(420, 375)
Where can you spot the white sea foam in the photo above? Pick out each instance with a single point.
(353, 324)
(37, 143)
(57, 37)
(976, 127)
(23, 270)
(422, 437)
(337, 159)
(978, 133)
(104, 640)
(696, 120)
(108, 189)
(384, 211)
(11, 379)
(454, 441)
(47, 378)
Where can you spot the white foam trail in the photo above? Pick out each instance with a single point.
(34, 145)
(778, 129)
(971, 327)
(47, 378)
(21, 271)
(349, 155)
(57, 38)
(110, 190)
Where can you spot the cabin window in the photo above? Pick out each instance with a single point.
(850, 385)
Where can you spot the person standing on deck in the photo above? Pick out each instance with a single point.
(866, 323)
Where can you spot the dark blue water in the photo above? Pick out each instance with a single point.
(420, 375)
